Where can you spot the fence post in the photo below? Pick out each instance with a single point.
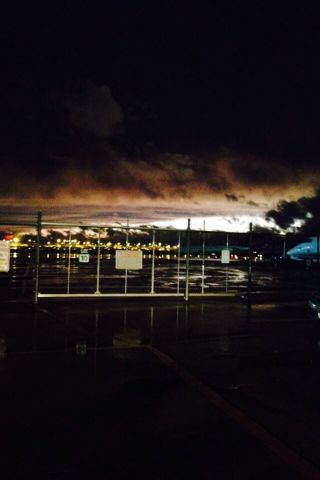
(126, 270)
(36, 289)
(69, 263)
(203, 255)
(186, 293)
(98, 265)
(227, 265)
(284, 248)
(153, 258)
(250, 262)
(178, 267)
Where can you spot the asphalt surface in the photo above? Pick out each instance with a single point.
(162, 390)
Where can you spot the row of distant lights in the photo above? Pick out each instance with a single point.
(116, 245)
(119, 245)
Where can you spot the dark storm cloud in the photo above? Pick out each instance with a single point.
(80, 144)
(231, 197)
(305, 209)
(93, 111)
(261, 171)
(286, 213)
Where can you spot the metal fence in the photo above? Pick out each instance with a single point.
(77, 261)
(176, 263)
(63, 260)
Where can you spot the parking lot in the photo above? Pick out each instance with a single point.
(160, 389)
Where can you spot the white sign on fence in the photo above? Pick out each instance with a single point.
(225, 255)
(4, 256)
(84, 256)
(128, 259)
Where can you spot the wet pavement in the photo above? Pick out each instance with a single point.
(159, 389)
(58, 275)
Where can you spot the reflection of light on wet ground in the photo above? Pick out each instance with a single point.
(265, 306)
(60, 327)
(3, 347)
(224, 343)
(168, 278)
(130, 338)
(95, 350)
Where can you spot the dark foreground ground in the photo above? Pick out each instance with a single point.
(162, 390)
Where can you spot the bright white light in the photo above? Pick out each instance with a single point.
(224, 223)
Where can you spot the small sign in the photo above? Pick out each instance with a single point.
(128, 259)
(4, 256)
(84, 256)
(225, 255)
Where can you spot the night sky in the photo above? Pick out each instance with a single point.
(158, 111)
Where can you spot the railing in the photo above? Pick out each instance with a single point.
(69, 268)
(70, 260)
(177, 263)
